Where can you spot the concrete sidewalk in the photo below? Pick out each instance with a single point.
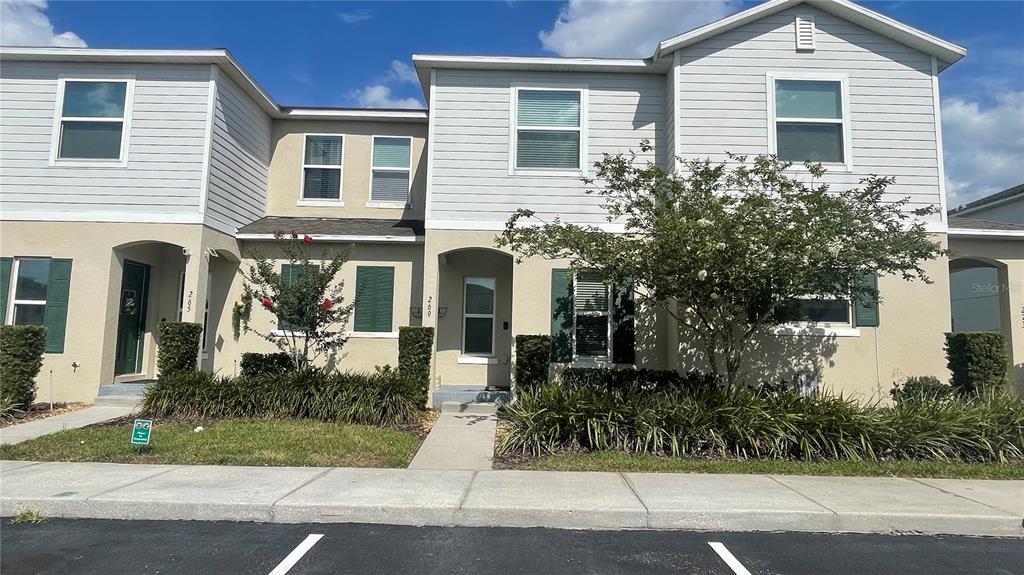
(514, 498)
(463, 440)
(75, 419)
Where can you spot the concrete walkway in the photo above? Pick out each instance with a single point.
(459, 441)
(72, 420)
(514, 498)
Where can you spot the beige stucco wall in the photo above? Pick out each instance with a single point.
(362, 352)
(524, 299)
(97, 251)
(285, 180)
(1008, 255)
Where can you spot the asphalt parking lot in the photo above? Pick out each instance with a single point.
(86, 546)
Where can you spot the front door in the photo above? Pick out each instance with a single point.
(131, 319)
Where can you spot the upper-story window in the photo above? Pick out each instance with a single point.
(93, 119)
(548, 130)
(321, 168)
(391, 167)
(810, 120)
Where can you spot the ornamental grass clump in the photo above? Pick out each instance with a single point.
(380, 398)
(750, 423)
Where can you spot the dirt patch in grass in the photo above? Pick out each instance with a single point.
(39, 411)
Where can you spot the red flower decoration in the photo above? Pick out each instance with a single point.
(267, 303)
(327, 303)
(295, 235)
(306, 239)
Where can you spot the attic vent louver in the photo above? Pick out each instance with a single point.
(804, 33)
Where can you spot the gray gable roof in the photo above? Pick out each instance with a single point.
(963, 223)
(1017, 190)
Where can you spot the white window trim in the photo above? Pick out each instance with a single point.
(491, 316)
(820, 327)
(578, 359)
(372, 203)
(125, 120)
(13, 289)
(844, 87)
(321, 202)
(514, 127)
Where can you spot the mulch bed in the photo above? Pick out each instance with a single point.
(40, 411)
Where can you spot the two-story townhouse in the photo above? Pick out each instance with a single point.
(828, 81)
(149, 181)
(135, 183)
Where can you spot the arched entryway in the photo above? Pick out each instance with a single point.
(474, 316)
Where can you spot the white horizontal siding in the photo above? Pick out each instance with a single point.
(239, 159)
(469, 178)
(165, 154)
(722, 97)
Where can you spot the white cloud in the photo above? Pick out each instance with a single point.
(24, 23)
(983, 147)
(355, 16)
(379, 96)
(402, 72)
(628, 28)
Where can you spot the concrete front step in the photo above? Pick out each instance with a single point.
(118, 400)
(124, 389)
(467, 394)
(471, 407)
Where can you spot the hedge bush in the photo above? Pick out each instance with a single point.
(977, 360)
(649, 379)
(21, 358)
(533, 358)
(415, 348)
(179, 347)
(921, 387)
(379, 398)
(257, 364)
(747, 423)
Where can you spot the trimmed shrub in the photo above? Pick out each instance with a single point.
(365, 398)
(179, 347)
(921, 387)
(257, 364)
(415, 347)
(646, 379)
(533, 358)
(746, 423)
(978, 361)
(21, 358)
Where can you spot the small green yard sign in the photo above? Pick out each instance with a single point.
(141, 431)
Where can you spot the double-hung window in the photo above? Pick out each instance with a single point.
(291, 316)
(592, 315)
(478, 316)
(390, 171)
(36, 291)
(827, 312)
(548, 131)
(810, 120)
(93, 120)
(321, 168)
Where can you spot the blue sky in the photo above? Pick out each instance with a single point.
(357, 53)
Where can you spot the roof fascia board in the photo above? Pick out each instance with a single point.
(995, 234)
(354, 114)
(342, 238)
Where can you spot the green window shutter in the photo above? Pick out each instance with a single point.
(562, 307)
(865, 307)
(291, 273)
(5, 286)
(375, 294)
(623, 324)
(57, 294)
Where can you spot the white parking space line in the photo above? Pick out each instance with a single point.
(296, 554)
(726, 556)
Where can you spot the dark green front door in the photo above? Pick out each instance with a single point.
(131, 320)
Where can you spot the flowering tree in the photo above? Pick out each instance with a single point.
(722, 248)
(303, 296)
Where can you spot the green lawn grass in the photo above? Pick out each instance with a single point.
(229, 442)
(617, 461)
